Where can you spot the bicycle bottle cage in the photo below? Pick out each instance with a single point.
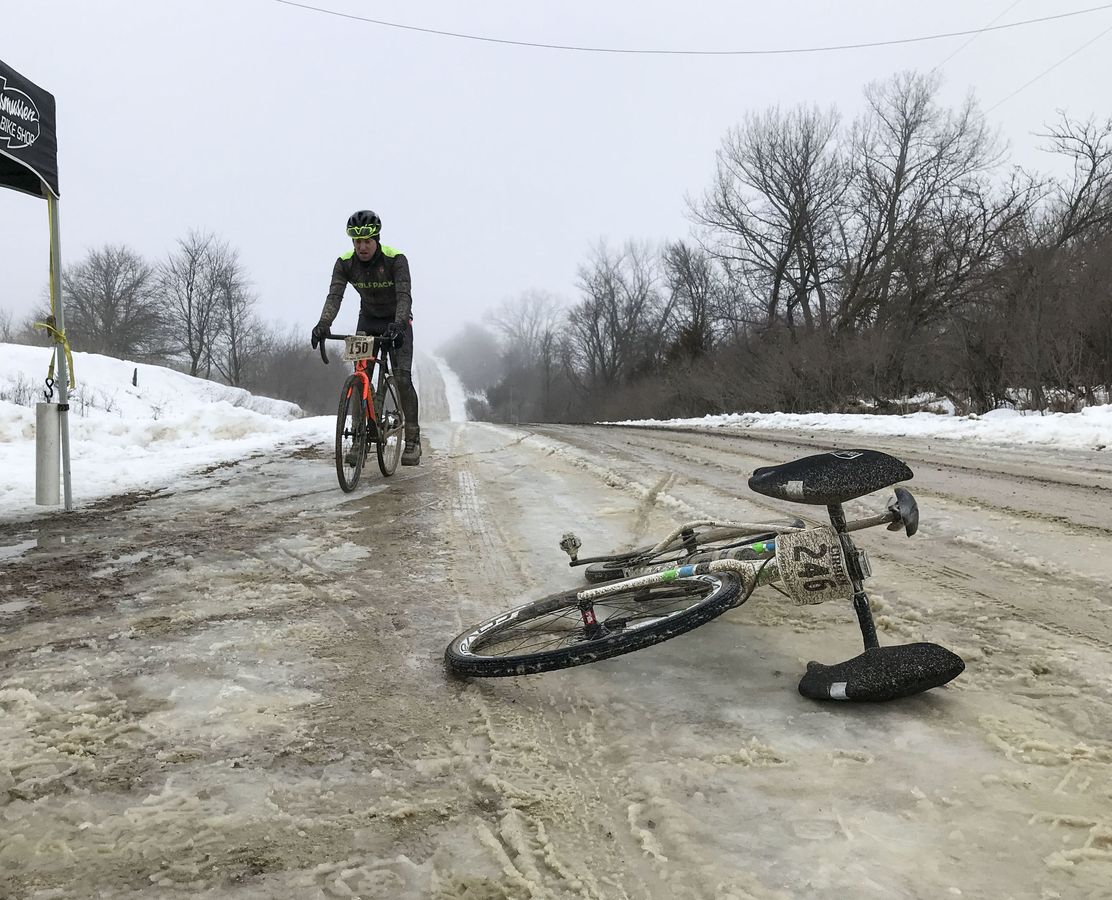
(813, 566)
(829, 478)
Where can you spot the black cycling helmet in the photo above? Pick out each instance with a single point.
(364, 224)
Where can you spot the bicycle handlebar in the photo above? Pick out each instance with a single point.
(340, 337)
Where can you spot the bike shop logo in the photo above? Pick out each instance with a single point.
(19, 117)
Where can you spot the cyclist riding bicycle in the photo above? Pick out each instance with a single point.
(380, 275)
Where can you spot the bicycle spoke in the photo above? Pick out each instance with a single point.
(566, 627)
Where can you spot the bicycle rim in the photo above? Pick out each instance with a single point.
(351, 435)
(391, 427)
(618, 567)
(550, 633)
(639, 562)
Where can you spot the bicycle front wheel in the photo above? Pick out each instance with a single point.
(557, 633)
(351, 434)
(391, 426)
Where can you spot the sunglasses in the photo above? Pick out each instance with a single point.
(362, 231)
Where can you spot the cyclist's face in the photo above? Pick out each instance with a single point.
(365, 248)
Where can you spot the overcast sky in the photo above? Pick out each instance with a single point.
(495, 168)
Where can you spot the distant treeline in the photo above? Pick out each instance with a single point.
(836, 266)
(193, 311)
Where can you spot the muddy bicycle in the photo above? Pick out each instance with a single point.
(705, 568)
(370, 411)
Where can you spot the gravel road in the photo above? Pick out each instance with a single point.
(234, 687)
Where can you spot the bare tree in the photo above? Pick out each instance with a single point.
(112, 304)
(192, 282)
(1043, 323)
(1082, 204)
(526, 321)
(532, 331)
(779, 180)
(618, 325)
(7, 331)
(240, 338)
(921, 202)
(284, 366)
(699, 296)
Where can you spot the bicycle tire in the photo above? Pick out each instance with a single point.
(351, 435)
(596, 573)
(390, 438)
(698, 598)
(625, 565)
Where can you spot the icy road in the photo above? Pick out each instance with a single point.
(235, 688)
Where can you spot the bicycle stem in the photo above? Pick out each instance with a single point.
(885, 518)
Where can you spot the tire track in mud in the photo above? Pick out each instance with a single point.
(647, 505)
(1081, 479)
(1083, 585)
(1067, 591)
(1066, 613)
(676, 475)
(1025, 735)
(557, 773)
(519, 761)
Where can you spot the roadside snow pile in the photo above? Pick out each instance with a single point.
(1090, 429)
(126, 437)
(103, 384)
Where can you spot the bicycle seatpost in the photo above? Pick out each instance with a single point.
(857, 577)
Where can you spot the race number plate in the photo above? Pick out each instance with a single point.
(357, 346)
(813, 566)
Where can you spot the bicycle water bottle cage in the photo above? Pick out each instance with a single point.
(813, 566)
(830, 478)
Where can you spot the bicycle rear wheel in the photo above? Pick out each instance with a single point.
(391, 426)
(596, 573)
(551, 633)
(638, 562)
(351, 434)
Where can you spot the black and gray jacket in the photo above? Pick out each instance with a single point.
(382, 283)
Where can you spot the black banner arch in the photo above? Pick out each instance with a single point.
(28, 135)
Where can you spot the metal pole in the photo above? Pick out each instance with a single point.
(62, 382)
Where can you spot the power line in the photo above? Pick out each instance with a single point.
(1065, 58)
(979, 32)
(629, 50)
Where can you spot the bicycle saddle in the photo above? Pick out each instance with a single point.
(883, 673)
(830, 478)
